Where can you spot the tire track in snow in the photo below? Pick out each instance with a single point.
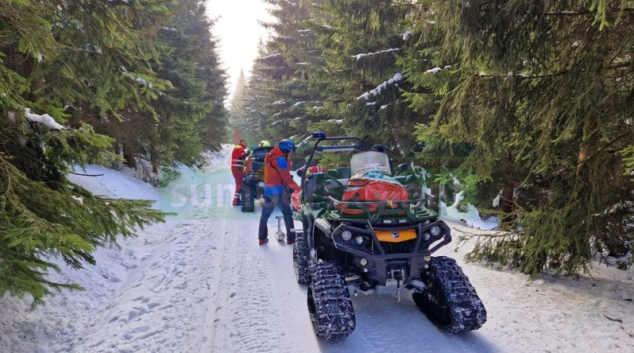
(206, 334)
(161, 308)
(253, 314)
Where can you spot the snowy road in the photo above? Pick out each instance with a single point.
(200, 283)
(209, 287)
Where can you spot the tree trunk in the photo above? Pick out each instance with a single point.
(128, 155)
(155, 167)
(582, 157)
(508, 202)
(117, 149)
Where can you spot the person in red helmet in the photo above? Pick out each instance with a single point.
(277, 176)
(237, 168)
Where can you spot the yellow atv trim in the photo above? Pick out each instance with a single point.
(395, 236)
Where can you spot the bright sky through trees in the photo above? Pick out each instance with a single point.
(239, 32)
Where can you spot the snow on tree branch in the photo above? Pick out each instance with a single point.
(271, 56)
(45, 119)
(359, 56)
(433, 71)
(398, 77)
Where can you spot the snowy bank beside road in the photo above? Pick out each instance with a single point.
(114, 184)
(54, 326)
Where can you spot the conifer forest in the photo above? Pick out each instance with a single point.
(530, 103)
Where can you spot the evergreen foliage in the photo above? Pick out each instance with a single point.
(544, 90)
(143, 71)
(279, 89)
(360, 41)
(311, 73)
(529, 102)
(187, 116)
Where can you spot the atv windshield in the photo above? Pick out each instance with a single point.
(370, 161)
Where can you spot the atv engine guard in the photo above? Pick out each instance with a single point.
(380, 266)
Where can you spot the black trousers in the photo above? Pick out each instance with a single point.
(283, 202)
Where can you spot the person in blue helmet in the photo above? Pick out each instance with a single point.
(277, 176)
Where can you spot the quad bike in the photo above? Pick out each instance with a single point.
(253, 180)
(365, 231)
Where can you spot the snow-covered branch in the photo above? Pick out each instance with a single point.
(359, 56)
(271, 56)
(396, 78)
(433, 71)
(45, 119)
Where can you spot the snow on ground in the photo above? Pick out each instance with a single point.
(113, 183)
(470, 218)
(200, 283)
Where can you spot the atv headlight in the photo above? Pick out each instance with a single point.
(426, 236)
(435, 231)
(358, 240)
(346, 235)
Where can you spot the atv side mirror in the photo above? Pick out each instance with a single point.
(300, 172)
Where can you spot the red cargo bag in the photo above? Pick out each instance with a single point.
(295, 200)
(371, 192)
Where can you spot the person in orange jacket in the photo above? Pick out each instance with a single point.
(277, 175)
(237, 168)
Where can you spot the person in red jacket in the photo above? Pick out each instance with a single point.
(277, 175)
(237, 168)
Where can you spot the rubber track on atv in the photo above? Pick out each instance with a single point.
(449, 300)
(329, 303)
(300, 260)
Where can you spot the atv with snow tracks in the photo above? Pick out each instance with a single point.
(365, 230)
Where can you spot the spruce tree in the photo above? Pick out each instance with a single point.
(62, 60)
(188, 115)
(543, 88)
(279, 92)
(359, 42)
(241, 119)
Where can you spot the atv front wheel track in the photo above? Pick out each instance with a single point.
(300, 260)
(449, 300)
(329, 303)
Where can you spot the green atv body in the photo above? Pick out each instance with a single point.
(371, 245)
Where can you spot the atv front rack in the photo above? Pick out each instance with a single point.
(415, 210)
